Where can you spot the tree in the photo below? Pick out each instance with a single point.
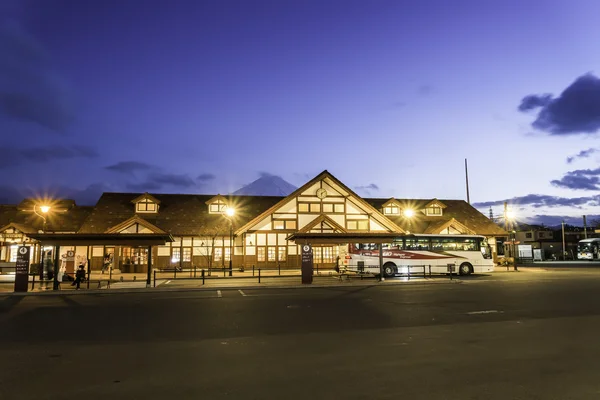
(209, 237)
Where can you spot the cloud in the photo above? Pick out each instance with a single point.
(13, 156)
(144, 186)
(581, 154)
(205, 177)
(30, 90)
(128, 167)
(556, 220)
(583, 179)
(370, 186)
(87, 196)
(575, 111)
(172, 180)
(264, 174)
(540, 200)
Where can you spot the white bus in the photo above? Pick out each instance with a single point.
(467, 253)
(588, 249)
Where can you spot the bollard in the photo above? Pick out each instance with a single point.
(33, 283)
(175, 273)
(203, 276)
(430, 271)
(259, 275)
(154, 278)
(252, 269)
(224, 272)
(424, 273)
(408, 269)
(194, 270)
(279, 268)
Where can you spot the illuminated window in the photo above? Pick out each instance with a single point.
(260, 254)
(271, 253)
(434, 210)
(327, 208)
(324, 254)
(278, 224)
(360, 225)
(302, 207)
(218, 254)
(175, 255)
(146, 205)
(284, 224)
(227, 254)
(315, 207)
(217, 207)
(338, 208)
(281, 256)
(391, 210)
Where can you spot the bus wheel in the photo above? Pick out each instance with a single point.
(465, 269)
(389, 269)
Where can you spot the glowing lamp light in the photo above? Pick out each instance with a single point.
(229, 211)
(45, 209)
(510, 215)
(408, 213)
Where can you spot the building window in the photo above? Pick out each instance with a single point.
(284, 224)
(146, 205)
(434, 210)
(217, 207)
(324, 254)
(302, 207)
(327, 208)
(529, 235)
(358, 225)
(271, 253)
(338, 208)
(227, 254)
(391, 210)
(175, 255)
(315, 207)
(218, 254)
(281, 253)
(260, 254)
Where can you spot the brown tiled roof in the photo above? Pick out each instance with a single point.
(178, 214)
(460, 210)
(56, 221)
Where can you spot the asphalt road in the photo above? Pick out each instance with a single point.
(518, 335)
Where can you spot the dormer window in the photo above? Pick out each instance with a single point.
(217, 207)
(433, 210)
(146, 206)
(391, 210)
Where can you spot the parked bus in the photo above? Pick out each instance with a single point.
(468, 253)
(588, 249)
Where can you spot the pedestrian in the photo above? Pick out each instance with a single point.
(79, 276)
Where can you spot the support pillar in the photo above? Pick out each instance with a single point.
(56, 267)
(149, 275)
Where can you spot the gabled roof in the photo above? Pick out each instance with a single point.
(145, 196)
(216, 198)
(435, 202)
(436, 227)
(325, 174)
(327, 220)
(180, 214)
(460, 210)
(20, 227)
(136, 219)
(389, 202)
(56, 221)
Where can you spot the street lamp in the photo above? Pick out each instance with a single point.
(230, 212)
(43, 210)
(564, 250)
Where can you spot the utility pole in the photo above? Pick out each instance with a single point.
(584, 228)
(467, 179)
(563, 240)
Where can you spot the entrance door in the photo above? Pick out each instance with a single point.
(135, 259)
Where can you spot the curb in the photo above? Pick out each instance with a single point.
(234, 287)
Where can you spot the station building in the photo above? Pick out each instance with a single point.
(132, 230)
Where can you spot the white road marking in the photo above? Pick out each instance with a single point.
(219, 293)
(485, 312)
(167, 282)
(242, 292)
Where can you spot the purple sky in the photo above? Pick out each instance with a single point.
(191, 96)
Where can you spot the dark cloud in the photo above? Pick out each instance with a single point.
(584, 179)
(88, 196)
(144, 186)
(370, 186)
(581, 154)
(540, 200)
(12, 156)
(556, 220)
(172, 180)
(576, 110)
(128, 167)
(205, 177)
(534, 101)
(30, 90)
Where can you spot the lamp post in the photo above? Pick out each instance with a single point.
(43, 211)
(230, 212)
